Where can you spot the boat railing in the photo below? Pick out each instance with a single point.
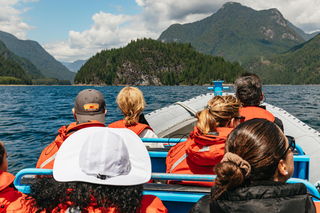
(158, 157)
(166, 192)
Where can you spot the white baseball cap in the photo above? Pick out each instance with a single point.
(101, 155)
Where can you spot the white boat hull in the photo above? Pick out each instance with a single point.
(177, 120)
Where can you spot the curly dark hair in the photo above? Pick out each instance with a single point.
(47, 193)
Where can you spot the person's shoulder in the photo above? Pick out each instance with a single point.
(152, 204)
(147, 133)
(202, 206)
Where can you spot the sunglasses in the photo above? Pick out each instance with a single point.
(292, 145)
(241, 118)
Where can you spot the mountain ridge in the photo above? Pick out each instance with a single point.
(299, 65)
(33, 51)
(236, 32)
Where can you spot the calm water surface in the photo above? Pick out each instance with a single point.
(28, 113)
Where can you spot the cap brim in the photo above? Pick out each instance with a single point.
(66, 166)
(98, 117)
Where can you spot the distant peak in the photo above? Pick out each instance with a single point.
(228, 4)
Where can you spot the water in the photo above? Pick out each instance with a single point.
(28, 113)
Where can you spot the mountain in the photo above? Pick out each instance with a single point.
(18, 70)
(34, 52)
(11, 72)
(300, 65)
(305, 36)
(74, 66)
(151, 62)
(236, 33)
(28, 67)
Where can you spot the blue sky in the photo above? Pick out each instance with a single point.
(54, 18)
(78, 29)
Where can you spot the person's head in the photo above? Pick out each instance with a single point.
(221, 111)
(248, 88)
(256, 150)
(131, 103)
(107, 164)
(89, 105)
(3, 158)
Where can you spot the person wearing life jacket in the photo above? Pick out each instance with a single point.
(252, 175)
(11, 200)
(205, 147)
(131, 102)
(248, 88)
(89, 110)
(98, 169)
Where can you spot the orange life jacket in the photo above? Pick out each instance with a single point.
(11, 200)
(149, 204)
(251, 112)
(137, 128)
(198, 154)
(48, 155)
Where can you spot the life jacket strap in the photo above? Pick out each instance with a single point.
(178, 161)
(48, 160)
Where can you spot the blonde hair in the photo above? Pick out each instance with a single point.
(131, 102)
(219, 111)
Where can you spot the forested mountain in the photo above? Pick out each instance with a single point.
(150, 62)
(300, 65)
(34, 52)
(10, 70)
(17, 70)
(305, 36)
(236, 33)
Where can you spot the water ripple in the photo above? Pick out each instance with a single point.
(29, 113)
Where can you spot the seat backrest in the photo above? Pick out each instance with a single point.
(158, 157)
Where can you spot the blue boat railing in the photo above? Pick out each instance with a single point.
(163, 140)
(25, 188)
(158, 158)
(163, 195)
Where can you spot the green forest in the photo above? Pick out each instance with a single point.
(172, 63)
(300, 65)
(18, 70)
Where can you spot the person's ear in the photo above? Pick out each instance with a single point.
(282, 168)
(281, 173)
(261, 98)
(232, 124)
(74, 114)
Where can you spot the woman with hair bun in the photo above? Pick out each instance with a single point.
(131, 102)
(252, 175)
(205, 146)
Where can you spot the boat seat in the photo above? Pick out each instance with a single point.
(176, 188)
(165, 149)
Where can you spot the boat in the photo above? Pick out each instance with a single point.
(174, 123)
(178, 120)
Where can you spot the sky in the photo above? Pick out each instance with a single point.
(73, 30)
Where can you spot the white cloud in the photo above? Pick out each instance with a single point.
(10, 20)
(304, 14)
(113, 31)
